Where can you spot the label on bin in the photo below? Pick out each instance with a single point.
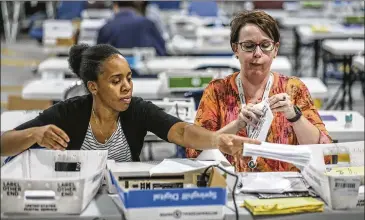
(66, 188)
(11, 188)
(40, 207)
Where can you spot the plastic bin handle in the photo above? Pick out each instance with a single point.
(39, 195)
(67, 166)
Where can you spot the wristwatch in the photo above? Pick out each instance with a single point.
(298, 114)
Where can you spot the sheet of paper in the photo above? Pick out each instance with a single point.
(273, 182)
(213, 155)
(180, 166)
(260, 133)
(265, 185)
(296, 155)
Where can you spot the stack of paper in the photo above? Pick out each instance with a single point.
(297, 155)
(283, 206)
(272, 182)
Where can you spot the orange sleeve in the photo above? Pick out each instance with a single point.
(207, 115)
(304, 101)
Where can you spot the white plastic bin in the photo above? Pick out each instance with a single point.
(31, 184)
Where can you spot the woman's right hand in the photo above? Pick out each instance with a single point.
(51, 136)
(249, 115)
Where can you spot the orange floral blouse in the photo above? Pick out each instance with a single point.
(220, 105)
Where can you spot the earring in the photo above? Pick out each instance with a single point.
(236, 57)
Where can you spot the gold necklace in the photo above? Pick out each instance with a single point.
(106, 139)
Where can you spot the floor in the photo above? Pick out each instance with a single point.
(19, 60)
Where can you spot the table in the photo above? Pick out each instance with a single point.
(153, 88)
(59, 65)
(344, 47)
(89, 30)
(306, 33)
(345, 50)
(159, 64)
(54, 89)
(292, 22)
(336, 127)
(56, 66)
(108, 206)
(47, 89)
(11, 119)
(278, 14)
(316, 87)
(96, 13)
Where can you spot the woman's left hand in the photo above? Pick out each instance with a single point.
(282, 103)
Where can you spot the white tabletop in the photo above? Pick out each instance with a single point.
(280, 64)
(96, 13)
(278, 14)
(358, 62)
(55, 50)
(54, 64)
(54, 89)
(337, 129)
(343, 47)
(194, 47)
(93, 24)
(160, 64)
(316, 87)
(296, 21)
(11, 119)
(333, 31)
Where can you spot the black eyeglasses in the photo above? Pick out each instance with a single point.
(248, 46)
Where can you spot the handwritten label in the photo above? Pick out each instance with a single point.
(66, 188)
(11, 188)
(40, 207)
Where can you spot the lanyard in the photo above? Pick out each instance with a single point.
(252, 163)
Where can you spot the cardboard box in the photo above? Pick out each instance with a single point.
(40, 181)
(170, 204)
(167, 203)
(339, 191)
(18, 103)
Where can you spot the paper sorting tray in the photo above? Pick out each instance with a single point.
(48, 181)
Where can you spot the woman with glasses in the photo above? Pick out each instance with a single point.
(228, 105)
